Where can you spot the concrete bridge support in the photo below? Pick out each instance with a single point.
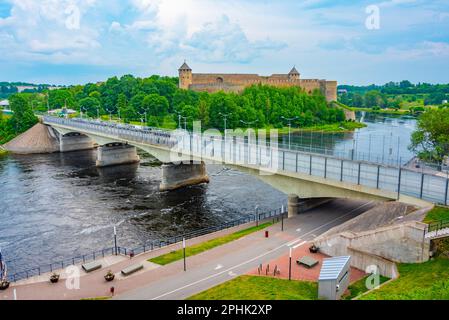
(74, 142)
(297, 205)
(183, 175)
(115, 154)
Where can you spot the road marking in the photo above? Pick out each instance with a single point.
(293, 242)
(219, 267)
(256, 258)
(299, 245)
(232, 274)
(298, 230)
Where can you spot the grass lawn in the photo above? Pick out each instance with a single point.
(201, 247)
(359, 287)
(260, 288)
(96, 299)
(437, 214)
(426, 281)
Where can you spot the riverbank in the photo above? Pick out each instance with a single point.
(3, 152)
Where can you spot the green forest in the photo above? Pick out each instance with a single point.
(159, 100)
(404, 96)
(22, 119)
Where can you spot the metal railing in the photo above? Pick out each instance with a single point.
(391, 178)
(146, 247)
(437, 226)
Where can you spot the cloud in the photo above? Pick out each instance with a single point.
(223, 41)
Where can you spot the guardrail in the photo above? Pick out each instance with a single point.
(146, 247)
(396, 179)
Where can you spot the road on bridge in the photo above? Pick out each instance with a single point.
(226, 262)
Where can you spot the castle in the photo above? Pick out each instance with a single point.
(213, 82)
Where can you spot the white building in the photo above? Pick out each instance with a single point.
(4, 104)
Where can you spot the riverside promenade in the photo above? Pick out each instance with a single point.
(204, 270)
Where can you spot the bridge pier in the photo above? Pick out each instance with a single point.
(75, 142)
(183, 175)
(114, 154)
(297, 205)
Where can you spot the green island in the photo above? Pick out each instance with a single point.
(210, 244)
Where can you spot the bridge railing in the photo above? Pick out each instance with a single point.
(148, 246)
(395, 179)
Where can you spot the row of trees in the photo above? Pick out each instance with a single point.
(160, 99)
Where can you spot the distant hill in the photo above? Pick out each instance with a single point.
(9, 88)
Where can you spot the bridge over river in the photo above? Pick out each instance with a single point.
(300, 174)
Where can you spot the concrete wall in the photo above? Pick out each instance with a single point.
(182, 175)
(113, 155)
(75, 142)
(364, 261)
(402, 243)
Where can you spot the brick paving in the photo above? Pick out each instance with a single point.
(301, 272)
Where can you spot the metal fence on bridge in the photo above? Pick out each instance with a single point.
(397, 179)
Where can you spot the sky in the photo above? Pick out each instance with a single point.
(353, 42)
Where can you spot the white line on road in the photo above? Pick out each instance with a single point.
(219, 267)
(258, 257)
(299, 245)
(293, 242)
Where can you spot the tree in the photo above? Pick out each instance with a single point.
(431, 140)
(155, 105)
(59, 98)
(23, 117)
(90, 106)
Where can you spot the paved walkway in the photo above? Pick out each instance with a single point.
(299, 250)
(204, 270)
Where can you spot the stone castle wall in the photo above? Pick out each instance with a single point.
(236, 83)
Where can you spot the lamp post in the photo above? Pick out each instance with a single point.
(179, 119)
(81, 110)
(98, 113)
(115, 239)
(145, 115)
(110, 113)
(290, 265)
(225, 117)
(48, 105)
(289, 120)
(184, 253)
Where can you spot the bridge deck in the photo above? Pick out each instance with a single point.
(237, 151)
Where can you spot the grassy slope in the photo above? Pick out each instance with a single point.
(260, 288)
(426, 281)
(437, 214)
(199, 248)
(359, 287)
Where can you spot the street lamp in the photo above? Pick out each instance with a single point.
(143, 114)
(81, 110)
(225, 117)
(289, 120)
(179, 119)
(249, 124)
(110, 113)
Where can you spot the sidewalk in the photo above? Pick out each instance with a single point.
(204, 270)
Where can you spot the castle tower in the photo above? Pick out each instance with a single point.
(293, 74)
(185, 76)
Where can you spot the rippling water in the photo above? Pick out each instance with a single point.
(60, 205)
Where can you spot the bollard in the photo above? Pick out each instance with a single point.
(267, 234)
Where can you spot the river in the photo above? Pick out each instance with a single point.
(60, 205)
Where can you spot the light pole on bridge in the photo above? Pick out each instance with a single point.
(225, 117)
(289, 120)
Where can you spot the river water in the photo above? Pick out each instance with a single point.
(60, 205)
